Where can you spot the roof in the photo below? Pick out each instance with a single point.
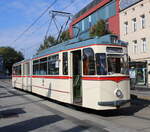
(20, 62)
(77, 43)
(124, 4)
(86, 8)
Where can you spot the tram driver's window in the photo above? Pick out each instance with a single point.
(88, 62)
(114, 65)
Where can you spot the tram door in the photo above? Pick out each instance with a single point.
(77, 72)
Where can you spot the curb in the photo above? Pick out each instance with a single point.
(144, 97)
(135, 96)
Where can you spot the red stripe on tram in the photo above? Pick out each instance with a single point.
(115, 79)
(53, 77)
(49, 77)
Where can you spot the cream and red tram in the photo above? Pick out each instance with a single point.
(91, 73)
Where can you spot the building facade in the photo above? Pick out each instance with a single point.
(98, 9)
(135, 29)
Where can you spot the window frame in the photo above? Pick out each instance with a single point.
(65, 70)
(134, 24)
(88, 61)
(142, 17)
(52, 62)
(144, 45)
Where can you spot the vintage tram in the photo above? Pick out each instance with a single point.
(91, 73)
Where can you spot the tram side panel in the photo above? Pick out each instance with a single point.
(17, 82)
(57, 89)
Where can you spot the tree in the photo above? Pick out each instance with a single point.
(51, 41)
(65, 36)
(99, 29)
(48, 42)
(10, 56)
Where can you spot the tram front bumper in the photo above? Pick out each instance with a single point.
(117, 103)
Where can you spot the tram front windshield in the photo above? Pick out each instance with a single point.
(111, 64)
(117, 64)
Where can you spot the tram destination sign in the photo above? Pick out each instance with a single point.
(127, 3)
(114, 50)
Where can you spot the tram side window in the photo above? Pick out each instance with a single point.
(101, 64)
(88, 62)
(43, 66)
(36, 67)
(17, 70)
(53, 65)
(65, 63)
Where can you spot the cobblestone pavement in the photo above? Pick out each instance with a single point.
(22, 112)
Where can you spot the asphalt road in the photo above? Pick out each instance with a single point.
(23, 112)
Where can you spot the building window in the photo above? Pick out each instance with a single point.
(143, 44)
(107, 25)
(126, 28)
(142, 21)
(83, 26)
(133, 9)
(135, 47)
(142, 5)
(134, 26)
(90, 21)
(125, 13)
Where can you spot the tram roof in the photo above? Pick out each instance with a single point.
(23, 61)
(77, 43)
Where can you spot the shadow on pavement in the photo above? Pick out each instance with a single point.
(11, 113)
(136, 105)
(77, 129)
(31, 124)
(2, 86)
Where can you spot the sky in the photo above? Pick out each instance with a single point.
(17, 15)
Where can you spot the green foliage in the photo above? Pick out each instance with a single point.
(48, 42)
(51, 41)
(10, 57)
(65, 36)
(99, 29)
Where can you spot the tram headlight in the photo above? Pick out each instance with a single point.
(119, 94)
